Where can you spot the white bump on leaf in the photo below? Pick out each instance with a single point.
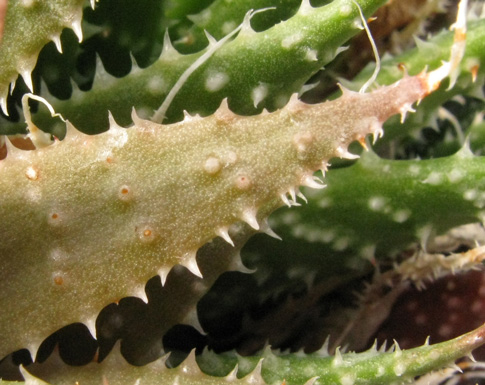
(212, 165)
(216, 81)
(311, 55)
(31, 173)
(291, 40)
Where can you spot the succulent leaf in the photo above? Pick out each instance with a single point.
(145, 208)
(193, 39)
(297, 47)
(29, 25)
(429, 54)
(370, 367)
(378, 217)
(87, 220)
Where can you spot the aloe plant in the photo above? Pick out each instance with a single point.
(164, 149)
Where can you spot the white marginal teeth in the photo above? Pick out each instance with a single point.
(141, 293)
(285, 200)
(404, 110)
(311, 181)
(27, 76)
(163, 273)
(238, 265)
(269, 231)
(289, 202)
(90, 323)
(13, 83)
(167, 44)
(255, 376)
(249, 217)
(191, 265)
(112, 122)
(344, 153)
(377, 131)
(135, 118)
(192, 319)
(324, 168)
(300, 195)
(292, 193)
(57, 41)
(377, 134)
(29, 378)
(231, 377)
(212, 40)
(3, 104)
(311, 381)
(223, 233)
(76, 27)
(305, 8)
